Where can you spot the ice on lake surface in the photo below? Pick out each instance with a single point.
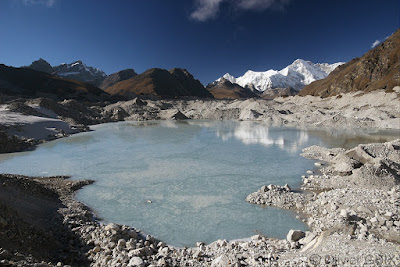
(196, 174)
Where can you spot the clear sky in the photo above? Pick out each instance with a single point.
(207, 37)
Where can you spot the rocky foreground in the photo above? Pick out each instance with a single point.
(351, 205)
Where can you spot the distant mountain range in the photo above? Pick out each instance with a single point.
(297, 75)
(379, 68)
(76, 71)
(31, 83)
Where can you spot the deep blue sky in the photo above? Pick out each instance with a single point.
(207, 37)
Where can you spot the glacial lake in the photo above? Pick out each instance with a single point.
(196, 174)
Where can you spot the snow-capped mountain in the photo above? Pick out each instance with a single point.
(79, 71)
(297, 75)
(76, 70)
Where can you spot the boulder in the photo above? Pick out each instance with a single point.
(3, 223)
(295, 235)
(136, 261)
(178, 116)
(220, 261)
(111, 226)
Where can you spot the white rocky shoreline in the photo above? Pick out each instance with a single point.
(352, 207)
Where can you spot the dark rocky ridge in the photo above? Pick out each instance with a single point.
(160, 83)
(224, 89)
(31, 83)
(377, 69)
(117, 77)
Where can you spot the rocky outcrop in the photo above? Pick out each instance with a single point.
(189, 83)
(41, 65)
(377, 69)
(117, 77)
(224, 89)
(11, 143)
(278, 92)
(277, 196)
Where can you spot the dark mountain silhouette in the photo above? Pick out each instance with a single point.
(160, 83)
(224, 89)
(117, 77)
(32, 83)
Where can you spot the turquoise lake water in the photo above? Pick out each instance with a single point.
(197, 174)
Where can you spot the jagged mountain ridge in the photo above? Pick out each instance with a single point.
(161, 83)
(379, 68)
(224, 89)
(297, 75)
(76, 70)
(117, 77)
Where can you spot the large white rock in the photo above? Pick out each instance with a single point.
(136, 261)
(295, 235)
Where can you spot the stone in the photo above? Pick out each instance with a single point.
(307, 239)
(364, 210)
(112, 226)
(130, 245)
(136, 261)
(132, 234)
(271, 187)
(164, 251)
(121, 243)
(389, 223)
(148, 251)
(388, 215)
(4, 254)
(287, 187)
(334, 207)
(197, 254)
(264, 189)
(139, 252)
(256, 237)
(295, 235)
(161, 262)
(3, 223)
(222, 243)
(198, 244)
(344, 213)
(220, 261)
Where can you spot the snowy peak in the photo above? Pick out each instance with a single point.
(227, 77)
(76, 70)
(297, 75)
(79, 71)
